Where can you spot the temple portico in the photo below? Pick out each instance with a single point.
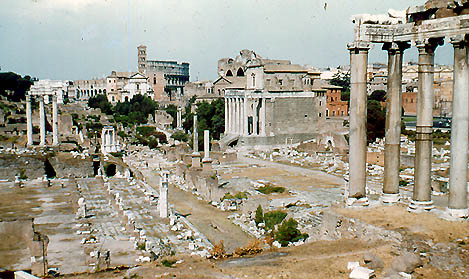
(109, 142)
(426, 29)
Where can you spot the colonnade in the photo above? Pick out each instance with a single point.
(421, 199)
(245, 116)
(108, 140)
(42, 119)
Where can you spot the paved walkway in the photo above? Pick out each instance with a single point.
(209, 220)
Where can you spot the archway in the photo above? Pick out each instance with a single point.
(110, 170)
(49, 169)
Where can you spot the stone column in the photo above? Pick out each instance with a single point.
(103, 141)
(457, 203)
(179, 118)
(195, 154)
(237, 113)
(245, 116)
(422, 195)
(358, 105)
(163, 199)
(206, 144)
(29, 120)
(255, 119)
(393, 122)
(231, 115)
(42, 121)
(226, 117)
(262, 116)
(241, 116)
(55, 124)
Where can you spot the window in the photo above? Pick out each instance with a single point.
(342, 112)
(306, 116)
(320, 114)
(320, 103)
(333, 113)
(138, 86)
(280, 81)
(229, 73)
(412, 101)
(253, 80)
(240, 72)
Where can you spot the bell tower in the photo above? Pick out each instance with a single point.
(142, 58)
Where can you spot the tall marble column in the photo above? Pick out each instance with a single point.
(195, 143)
(358, 105)
(226, 116)
(255, 122)
(55, 124)
(42, 121)
(163, 199)
(231, 115)
(179, 118)
(29, 120)
(457, 203)
(393, 122)
(262, 116)
(245, 116)
(422, 195)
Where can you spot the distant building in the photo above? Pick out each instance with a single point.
(84, 89)
(123, 86)
(166, 77)
(335, 106)
(278, 102)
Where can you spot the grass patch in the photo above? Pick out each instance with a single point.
(269, 189)
(168, 263)
(237, 196)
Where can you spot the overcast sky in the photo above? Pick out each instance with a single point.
(82, 39)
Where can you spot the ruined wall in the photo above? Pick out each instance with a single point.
(64, 165)
(11, 165)
(300, 111)
(16, 238)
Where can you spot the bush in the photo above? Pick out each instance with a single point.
(288, 232)
(180, 136)
(168, 263)
(273, 218)
(241, 195)
(259, 218)
(269, 188)
(146, 131)
(227, 196)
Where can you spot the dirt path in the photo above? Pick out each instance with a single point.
(293, 169)
(209, 220)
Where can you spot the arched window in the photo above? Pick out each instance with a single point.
(104, 91)
(253, 76)
(100, 91)
(229, 73)
(154, 80)
(240, 72)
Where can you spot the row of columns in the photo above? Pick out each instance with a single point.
(108, 140)
(237, 115)
(42, 121)
(421, 199)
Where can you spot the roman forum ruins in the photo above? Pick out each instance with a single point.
(425, 27)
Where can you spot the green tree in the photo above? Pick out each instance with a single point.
(100, 101)
(259, 218)
(18, 85)
(288, 232)
(378, 95)
(341, 79)
(376, 121)
(172, 110)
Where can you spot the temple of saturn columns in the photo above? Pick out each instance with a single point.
(44, 91)
(425, 27)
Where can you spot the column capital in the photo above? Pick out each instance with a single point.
(396, 46)
(428, 45)
(359, 45)
(459, 41)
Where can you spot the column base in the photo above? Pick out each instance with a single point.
(354, 202)
(420, 206)
(390, 198)
(454, 213)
